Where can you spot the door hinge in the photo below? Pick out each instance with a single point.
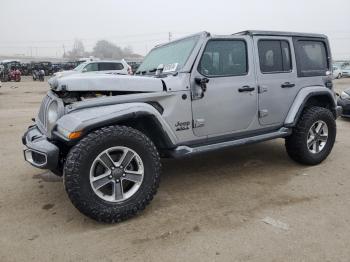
(262, 89)
(198, 123)
(263, 113)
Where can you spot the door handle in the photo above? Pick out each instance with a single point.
(246, 89)
(287, 85)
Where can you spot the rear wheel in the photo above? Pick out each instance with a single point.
(313, 137)
(112, 173)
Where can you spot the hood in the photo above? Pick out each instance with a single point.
(65, 73)
(106, 82)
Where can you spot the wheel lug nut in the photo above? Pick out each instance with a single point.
(117, 180)
(123, 174)
(121, 166)
(110, 177)
(112, 168)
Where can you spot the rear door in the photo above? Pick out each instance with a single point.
(277, 78)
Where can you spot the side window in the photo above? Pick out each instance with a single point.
(224, 58)
(274, 56)
(110, 66)
(312, 58)
(91, 67)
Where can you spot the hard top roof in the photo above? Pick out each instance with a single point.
(279, 33)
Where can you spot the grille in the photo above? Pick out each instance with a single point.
(42, 111)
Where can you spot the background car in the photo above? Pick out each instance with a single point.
(344, 102)
(346, 71)
(337, 72)
(117, 67)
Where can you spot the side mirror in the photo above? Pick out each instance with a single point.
(202, 82)
(84, 70)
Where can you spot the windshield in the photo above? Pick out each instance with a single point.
(80, 67)
(174, 53)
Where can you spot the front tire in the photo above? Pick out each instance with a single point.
(313, 137)
(112, 173)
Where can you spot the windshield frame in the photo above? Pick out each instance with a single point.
(187, 66)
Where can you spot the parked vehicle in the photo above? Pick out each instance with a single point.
(344, 102)
(46, 66)
(56, 67)
(69, 65)
(117, 67)
(107, 133)
(14, 75)
(25, 69)
(39, 74)
(346, 71)
(337, 72)
(10, 71)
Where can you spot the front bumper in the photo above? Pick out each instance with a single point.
(40, 152)
(345, 105)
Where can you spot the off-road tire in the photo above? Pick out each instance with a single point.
(296, 143)
(78, 164)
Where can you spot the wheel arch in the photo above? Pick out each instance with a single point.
(140, 116)
(308, 97)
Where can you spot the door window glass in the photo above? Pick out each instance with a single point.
(312, 58)
(224, 58)
(274, 56)
(91, 67)
(110, 66)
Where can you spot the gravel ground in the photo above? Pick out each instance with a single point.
(243, 204)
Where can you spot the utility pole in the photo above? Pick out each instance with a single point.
(170, 36)
(64, 51)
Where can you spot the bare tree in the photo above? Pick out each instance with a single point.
(77, 51)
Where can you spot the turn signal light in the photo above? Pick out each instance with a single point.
(75, 135)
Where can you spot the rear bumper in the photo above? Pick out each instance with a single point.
(39, 152)
(345, 105)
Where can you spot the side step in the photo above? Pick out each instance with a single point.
(181, 151)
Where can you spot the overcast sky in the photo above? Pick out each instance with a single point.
(43, 27)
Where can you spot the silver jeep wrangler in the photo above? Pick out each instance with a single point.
(106, 133)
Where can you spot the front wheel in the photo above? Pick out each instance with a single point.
(313, 137)
(112, 173)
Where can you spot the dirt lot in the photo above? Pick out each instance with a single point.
(208, 208)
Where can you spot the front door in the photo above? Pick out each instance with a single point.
(227, 103)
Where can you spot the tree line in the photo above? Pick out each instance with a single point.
(103, 49)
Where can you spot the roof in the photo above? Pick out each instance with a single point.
(279, 33)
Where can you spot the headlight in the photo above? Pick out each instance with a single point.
(52, 115)
(344, 95)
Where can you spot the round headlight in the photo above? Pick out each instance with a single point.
(52, 114)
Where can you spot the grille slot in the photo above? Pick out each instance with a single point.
(42, 111)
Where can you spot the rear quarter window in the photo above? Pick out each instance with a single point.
(312, 58)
